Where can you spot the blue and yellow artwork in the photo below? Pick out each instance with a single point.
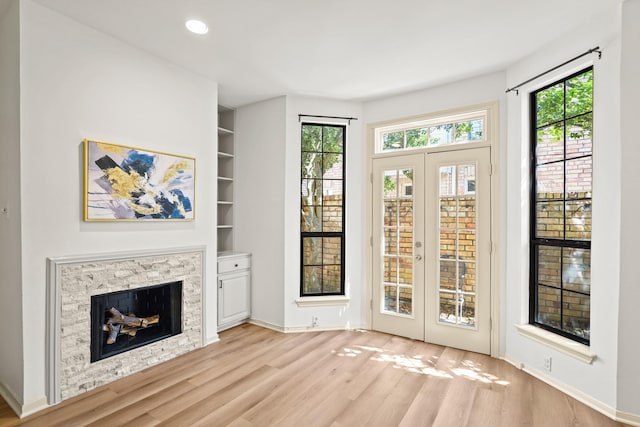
(128, 184)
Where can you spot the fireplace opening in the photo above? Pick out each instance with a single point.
(124, 320)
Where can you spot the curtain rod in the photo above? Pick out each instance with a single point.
(300, 116)
(590, 51)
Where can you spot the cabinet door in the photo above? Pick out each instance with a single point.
(233, 298)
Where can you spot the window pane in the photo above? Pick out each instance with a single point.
(576, 270)
(312, 280)
(311, 192)
(332, 138)
(406, 301)
(332, 166)
(406, 241)
(441, 134)
(331, 279)
(448, 279)
(448, 307)
(578, 220)
(548, 306)
(576, 314)
(390, 184)
(311, 138)
(467, 245)
(390, 241)
(406, 271)
(467, 212)
(448, 181)
(550, 105)
(310, 219)
(416, 137)
(332, 219)
(391, 213)
(467, 277)
(550, 181)
(466, 176)
(311, 165)
(579, 178)
(550, 220)
(312, 251)
(448, 239)
(550, 143)
(469, 131)
(390, 298)
(549, 266)
(579, 132)
(331, 250)
(393, 140)
(332, 189)
(390, 273)
(580, 94)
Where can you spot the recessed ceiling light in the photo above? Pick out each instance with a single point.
(196, 26)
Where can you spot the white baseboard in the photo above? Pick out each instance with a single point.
(22, 410)
(580, 396)
(297, 329)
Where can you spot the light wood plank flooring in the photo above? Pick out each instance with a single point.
(258, 377)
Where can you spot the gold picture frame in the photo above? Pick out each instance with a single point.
(124, 183)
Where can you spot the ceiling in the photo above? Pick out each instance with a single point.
(343, 49)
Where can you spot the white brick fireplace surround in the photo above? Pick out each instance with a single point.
(71, 283)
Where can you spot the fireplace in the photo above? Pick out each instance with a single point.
(120, 281)
(149, 314)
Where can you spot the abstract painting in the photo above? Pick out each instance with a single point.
(127, 184)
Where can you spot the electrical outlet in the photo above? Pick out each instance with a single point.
(314, 321)
(547, 363)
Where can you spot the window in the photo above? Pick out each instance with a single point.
(561, 144)
(322, 209)
(433, 132)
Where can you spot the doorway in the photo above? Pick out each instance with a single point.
(432, 247)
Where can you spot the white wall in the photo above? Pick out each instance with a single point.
(628, 341)
(78, 83)
(338, 316)
(10, 280)
(259, 202)
(597, 380)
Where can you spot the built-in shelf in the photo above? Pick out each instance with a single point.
(222, 131)
(226, 190)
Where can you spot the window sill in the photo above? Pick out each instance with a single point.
(322, 301)
(557, 342)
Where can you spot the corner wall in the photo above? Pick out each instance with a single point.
(628, 342)
(594, 383)
(11, 368)
(79, 83)
(260, 141)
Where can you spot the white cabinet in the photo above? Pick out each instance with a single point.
(234, 289)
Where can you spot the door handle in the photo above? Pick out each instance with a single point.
(418, 257)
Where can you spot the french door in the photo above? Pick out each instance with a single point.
(432, 255)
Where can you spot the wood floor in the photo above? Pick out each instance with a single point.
(258, 377)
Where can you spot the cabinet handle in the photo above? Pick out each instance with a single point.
(236, 265)
(220, 284)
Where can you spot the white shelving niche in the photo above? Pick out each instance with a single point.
(226, 162)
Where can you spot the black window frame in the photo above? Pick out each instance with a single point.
(325, 234)
(561, 243)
